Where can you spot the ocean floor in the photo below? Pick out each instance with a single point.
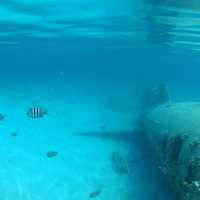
(82, 167)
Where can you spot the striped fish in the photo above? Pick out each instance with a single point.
(36, 112)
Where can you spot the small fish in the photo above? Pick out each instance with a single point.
(95, 193)
(2, 117)
(36, 112)
(14, 134)
(103, 127)
(52, 154)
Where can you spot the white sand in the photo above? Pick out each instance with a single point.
(82, 164)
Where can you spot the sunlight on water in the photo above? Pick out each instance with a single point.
(62, 18)
(175, 24)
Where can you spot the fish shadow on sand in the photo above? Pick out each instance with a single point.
(111, 135)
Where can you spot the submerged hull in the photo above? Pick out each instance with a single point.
(174, 130)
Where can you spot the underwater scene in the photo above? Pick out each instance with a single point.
(100, 100)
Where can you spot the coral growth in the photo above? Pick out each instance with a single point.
(176, 147)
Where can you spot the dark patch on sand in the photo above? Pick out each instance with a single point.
(2, 117)
(103, 127)
(52, 154)
(14, 134)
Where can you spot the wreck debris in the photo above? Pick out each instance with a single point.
(119, 164)
(192, 172)
(181, 172)
(163, 170)
(155, 97)
(195, 144)
(176, 147)
(164, 144)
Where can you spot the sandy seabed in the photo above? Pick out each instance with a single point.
(82, 165)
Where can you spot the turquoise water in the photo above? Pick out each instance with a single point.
(87, 63)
